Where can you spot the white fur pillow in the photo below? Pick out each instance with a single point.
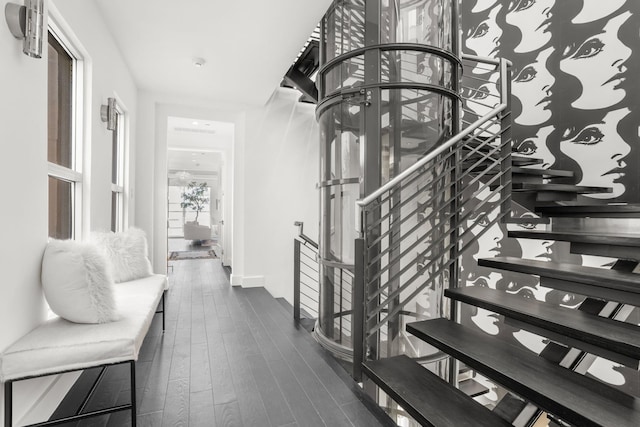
(127, 253)
(77, 282)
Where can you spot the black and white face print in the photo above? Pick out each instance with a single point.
(597, 59)
(572, 59)
(532, 18)
(576, 106)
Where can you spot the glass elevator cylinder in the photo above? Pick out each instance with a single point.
(388, 83)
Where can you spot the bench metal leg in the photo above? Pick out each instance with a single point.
(134, 411)
(162, 311)
(80, 414)
(8, 404)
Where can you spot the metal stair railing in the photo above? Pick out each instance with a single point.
(414, 228)
(305, 276)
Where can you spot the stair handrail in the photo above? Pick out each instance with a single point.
(304, 237)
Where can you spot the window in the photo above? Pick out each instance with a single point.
(117, 173)
(63, 153)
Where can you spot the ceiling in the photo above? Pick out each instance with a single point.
(247, 45)
(197, 146)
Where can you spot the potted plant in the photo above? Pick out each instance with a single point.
(195, 197)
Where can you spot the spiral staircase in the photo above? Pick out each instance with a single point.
(392, 306)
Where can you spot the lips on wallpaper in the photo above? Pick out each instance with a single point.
(576, 106)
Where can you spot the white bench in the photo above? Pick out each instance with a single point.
(59, 346)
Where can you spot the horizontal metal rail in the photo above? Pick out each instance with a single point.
(422, 162)
(414, 227)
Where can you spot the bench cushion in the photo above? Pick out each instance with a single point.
(59, 345)
(77, 282)
(126, 251)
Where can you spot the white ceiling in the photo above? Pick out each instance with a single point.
(197, 146)
(248, 45)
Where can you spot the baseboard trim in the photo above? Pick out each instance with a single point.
(247, 281)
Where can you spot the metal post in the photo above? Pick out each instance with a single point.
(296, 279)
(455, 186)
(505, 139)
(8, 404)
(163, 309)
(134, 411)
(357, 307)
(372, 149)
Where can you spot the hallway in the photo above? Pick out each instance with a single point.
(231, 357)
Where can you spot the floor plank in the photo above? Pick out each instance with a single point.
(232, 357)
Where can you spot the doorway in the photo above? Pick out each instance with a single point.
(199, 189)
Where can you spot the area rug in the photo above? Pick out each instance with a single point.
(180, 255)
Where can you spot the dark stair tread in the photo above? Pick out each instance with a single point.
(509, 407)
(525, 161)
(426, 397)
(515, 161)
(618, 239)
(525, 220)
(600, 277)
(611, 335)
(599, 211)
(542, 172)
(575, 398)
(562, 188)
(623, 289)
(472, 388)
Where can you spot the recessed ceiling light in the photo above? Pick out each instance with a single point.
(194, 123)
(199, 62)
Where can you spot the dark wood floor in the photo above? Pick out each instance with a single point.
(232, 357)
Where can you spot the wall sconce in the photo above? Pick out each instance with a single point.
(108, 113)
(26, 22)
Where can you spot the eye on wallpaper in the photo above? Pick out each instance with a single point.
(576, 106)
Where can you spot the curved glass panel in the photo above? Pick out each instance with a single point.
(413, 123)
(416, 67)
(391, 127)
(346, 74)
(345, 28)
(417, 21)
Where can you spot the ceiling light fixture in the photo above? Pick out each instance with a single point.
(183, 176)
(199, 62)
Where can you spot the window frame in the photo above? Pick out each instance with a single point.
(74, 175)
(120, 133)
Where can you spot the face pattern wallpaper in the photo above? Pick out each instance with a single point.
(575, 106)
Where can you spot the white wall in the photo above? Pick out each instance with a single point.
(281, 172)
(23, 179)
(275, 170)
(23, 170)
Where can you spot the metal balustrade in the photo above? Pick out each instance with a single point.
(305, 276)
(414, 228)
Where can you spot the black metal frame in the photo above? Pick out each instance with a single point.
(8, 391)
(8, 399)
